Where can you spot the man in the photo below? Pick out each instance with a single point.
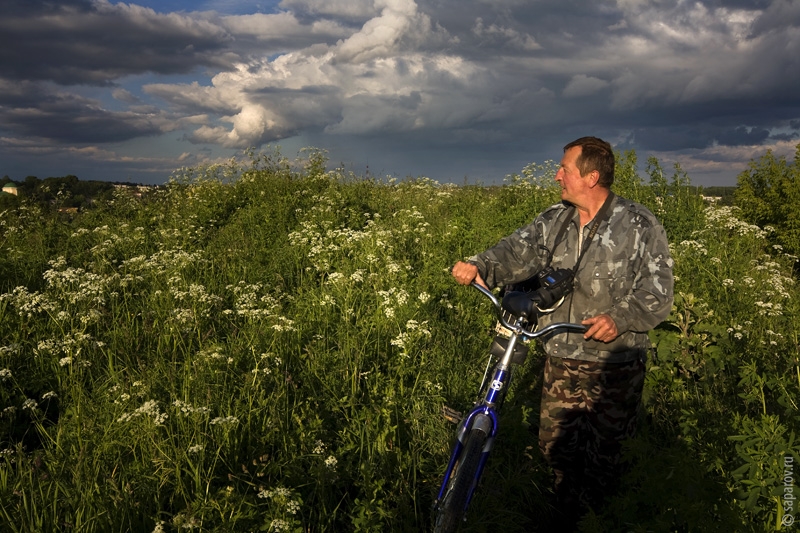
(622, 288)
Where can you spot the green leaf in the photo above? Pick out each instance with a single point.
(752, 500)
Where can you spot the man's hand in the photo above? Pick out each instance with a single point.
(601, 328)
(466, 273)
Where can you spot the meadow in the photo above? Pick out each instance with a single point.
(268, 345)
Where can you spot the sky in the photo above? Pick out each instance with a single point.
(453, 90)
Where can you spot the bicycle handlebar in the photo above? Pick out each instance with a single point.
(519, 330)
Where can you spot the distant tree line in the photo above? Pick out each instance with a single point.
(63, 192)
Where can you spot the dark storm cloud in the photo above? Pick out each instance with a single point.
(30, 111)
(697, 136)
(27, 8)
(95, 43)
(670, 139)
(729, 123)
(743, 136)
(780, 14)
(640, 64)
(788, 137)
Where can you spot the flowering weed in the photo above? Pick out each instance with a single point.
(270, 346)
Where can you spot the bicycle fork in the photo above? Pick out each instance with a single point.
(482, 417)
(485, 419)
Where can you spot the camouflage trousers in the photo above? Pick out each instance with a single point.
(588, 410)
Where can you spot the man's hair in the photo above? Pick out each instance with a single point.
(596, 154)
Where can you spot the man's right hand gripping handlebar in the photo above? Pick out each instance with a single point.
(466, 273)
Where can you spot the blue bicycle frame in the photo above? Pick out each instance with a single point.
(484, 415)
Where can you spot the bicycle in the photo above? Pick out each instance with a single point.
(478, 430)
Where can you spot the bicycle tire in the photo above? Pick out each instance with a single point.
(451, 511)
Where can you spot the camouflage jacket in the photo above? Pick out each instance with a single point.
(626, 272)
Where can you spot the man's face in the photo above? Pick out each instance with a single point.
(569, 177)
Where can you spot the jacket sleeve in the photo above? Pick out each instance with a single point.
(650, 300)
(515, 258)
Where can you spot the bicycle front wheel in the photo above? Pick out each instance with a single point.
(452, 508)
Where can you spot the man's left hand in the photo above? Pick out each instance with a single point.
(601, 328)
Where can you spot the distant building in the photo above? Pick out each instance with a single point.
(10, 188)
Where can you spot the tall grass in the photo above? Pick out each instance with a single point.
(258, 346)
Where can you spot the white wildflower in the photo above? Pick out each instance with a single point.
(285, 324)
(188, 409)
(226, 420)
(292, 507)
(10, 349)
(695, 245)
(279, 492)
(148, 409)
(331, 462)
(279, 525)
(400, 341)
(444, 301)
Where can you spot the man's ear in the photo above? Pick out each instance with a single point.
(594, 178)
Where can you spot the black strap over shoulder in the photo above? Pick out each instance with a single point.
(598, 218)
